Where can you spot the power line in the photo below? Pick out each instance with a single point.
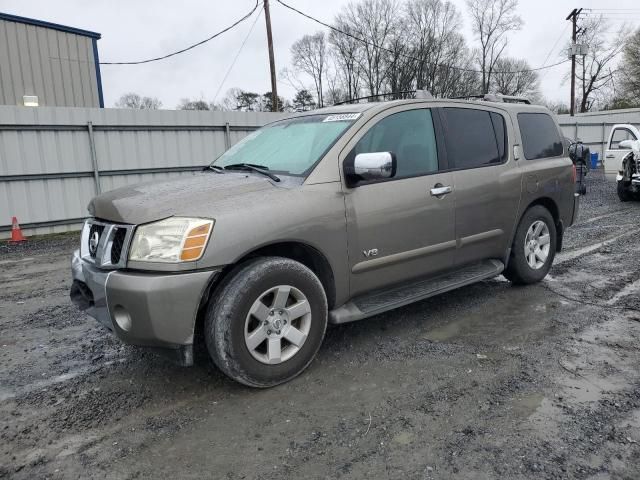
(553, 49)
(555, 44)
(215, 35)
(335, 29)
(224, 79)
(621, 10)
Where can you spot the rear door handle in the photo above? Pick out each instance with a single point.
(440, 191)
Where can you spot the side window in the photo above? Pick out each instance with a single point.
(474, 138)
(540, 136)
(410, 136)
(618, 136)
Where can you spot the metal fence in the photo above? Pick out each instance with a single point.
(594, 128)
(54, 160)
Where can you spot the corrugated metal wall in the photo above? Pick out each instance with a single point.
(594, 128)
(57, 66)
(48, 155)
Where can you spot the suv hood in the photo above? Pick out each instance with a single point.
(201, 195)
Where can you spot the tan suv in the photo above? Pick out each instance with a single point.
(331, 216)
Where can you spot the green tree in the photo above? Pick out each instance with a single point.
(188, 104)
(267, 103)
(303, 101)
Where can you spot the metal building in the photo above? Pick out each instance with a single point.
(46, 64)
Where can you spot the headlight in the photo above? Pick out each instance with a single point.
(172, 240)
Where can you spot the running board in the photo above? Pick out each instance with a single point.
(383, 300)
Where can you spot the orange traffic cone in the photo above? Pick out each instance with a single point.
(16, 233)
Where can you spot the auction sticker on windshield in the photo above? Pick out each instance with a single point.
(342, 117)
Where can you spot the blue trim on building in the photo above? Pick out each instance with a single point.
(54, 26)
(96, 59)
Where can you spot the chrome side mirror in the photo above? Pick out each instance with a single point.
(373, 166)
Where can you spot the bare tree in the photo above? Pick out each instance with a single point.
(372, 21)
(513, 76)
(443, 58)
(492, 20)
(596, 71)
(309, 55)
(135, 101)
(346, 52)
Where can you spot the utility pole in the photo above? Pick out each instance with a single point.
(272, 61)
(573, 16)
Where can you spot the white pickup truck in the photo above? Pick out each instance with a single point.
(615, 152)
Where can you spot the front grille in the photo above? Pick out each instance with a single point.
(106, 244)
(95, 234)
(118, 243)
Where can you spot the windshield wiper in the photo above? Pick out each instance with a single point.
(215, 168)
(254, 168)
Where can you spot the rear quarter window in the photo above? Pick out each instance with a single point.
(474, 138)
(540, 136)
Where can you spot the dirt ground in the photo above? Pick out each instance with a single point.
(491, 381)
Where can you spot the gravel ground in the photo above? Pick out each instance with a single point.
(490, 381)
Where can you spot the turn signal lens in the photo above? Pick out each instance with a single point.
(194, 242)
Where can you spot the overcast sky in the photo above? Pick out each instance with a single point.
(136, 30)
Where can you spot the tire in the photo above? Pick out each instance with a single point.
(519, 270)
(623, 191)
(242, 305)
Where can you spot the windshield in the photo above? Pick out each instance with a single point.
(290, 147)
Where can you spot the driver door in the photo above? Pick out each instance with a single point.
(615, 153)
(400, 228)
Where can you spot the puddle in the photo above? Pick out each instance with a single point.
(518, 318)
(527, 405)
(446, 332)
(630, 289)
(582, 276)
(632, 422)
(403, 438)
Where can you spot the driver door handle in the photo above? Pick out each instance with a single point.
(440, 191)
(610, 156)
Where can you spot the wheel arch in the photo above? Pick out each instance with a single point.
(301, 252)
(553, 209)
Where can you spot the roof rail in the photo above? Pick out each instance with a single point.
(489, 97)
(401, 95)
(495, 97)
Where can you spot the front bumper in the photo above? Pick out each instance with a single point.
(146, 309)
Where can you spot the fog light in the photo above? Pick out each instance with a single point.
(122, 318)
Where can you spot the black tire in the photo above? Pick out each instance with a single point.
(623, 191)
(518, 271)
(224, 328)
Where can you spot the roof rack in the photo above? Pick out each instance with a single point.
(405, 94)
(425, 94)
(496, 97)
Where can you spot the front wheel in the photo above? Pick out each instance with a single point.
(623, 191)
(534, 247)
(267, 321)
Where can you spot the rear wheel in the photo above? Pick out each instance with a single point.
(267, 322)
(534, 247)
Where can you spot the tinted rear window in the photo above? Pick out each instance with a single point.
(474, 138)
(540, 137)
